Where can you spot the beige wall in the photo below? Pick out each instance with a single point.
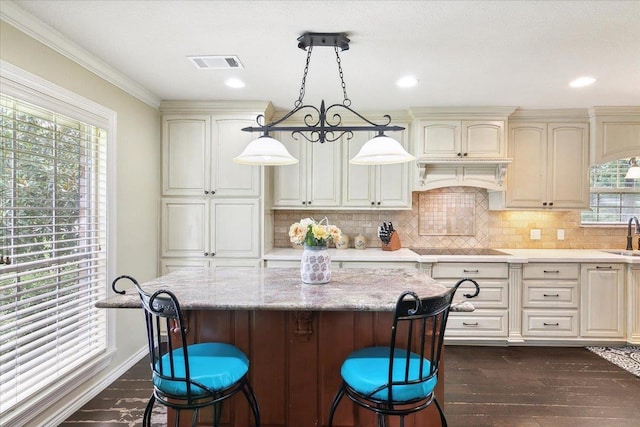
(137, 175)
(490, 229)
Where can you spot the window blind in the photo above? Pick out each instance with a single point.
(53, 235)
(613, 199)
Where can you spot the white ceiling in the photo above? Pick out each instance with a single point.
(464, 53)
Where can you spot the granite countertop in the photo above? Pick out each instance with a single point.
(514, 256)
(231, 288)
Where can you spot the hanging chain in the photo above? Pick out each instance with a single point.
(346, 101)
(298, 102)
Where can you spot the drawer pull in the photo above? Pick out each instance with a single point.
(551, 324)
(470, 271)
(600, 267)
(470, 324)
(551, 295)
(552, 271)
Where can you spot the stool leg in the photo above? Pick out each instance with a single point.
(334, 404)
(443, 420)
(253, 402)
(146, 418)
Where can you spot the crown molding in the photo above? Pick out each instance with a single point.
(12, 14)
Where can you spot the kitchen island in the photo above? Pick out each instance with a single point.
(295, 335)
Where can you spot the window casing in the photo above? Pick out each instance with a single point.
(53, 242)
(613, 199)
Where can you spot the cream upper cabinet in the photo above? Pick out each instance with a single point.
(198, 152)
(602, 310)
(447, 139)
(314, 182)
(615, 133)
(550, 166)
(200, 228)
(382, 186)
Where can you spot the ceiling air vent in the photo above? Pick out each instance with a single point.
(215, 62)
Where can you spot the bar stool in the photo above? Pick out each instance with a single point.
(188, 377)
(400, 379)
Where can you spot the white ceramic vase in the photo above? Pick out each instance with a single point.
(315, 265)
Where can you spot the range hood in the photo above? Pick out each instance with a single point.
(483, 173)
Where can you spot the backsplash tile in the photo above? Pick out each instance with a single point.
(491, 229)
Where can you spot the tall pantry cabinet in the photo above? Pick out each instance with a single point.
(212, 210)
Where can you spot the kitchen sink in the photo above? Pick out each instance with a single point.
(624, 253)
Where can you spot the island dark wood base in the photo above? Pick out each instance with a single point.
(295, 364)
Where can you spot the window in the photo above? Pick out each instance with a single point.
(53, 246)
(613, 199)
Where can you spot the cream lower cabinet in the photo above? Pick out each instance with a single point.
(313, 182)
(602, 311)
(550, 300)
(550, 168)
(370, 187)
(490, 319)
(197, 230)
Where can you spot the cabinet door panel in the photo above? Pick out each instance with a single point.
(394, 180)
(602, 301)
(325, 170)
(358, 180)
(230, 178)
(289, 181)
(483, 139)
(526, 177)
(185, 227)
(236, 228)
(185, 154)
(569, 168)
(440, 139)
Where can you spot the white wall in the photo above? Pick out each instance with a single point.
(137, 177)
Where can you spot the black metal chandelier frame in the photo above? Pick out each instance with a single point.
(323, 123)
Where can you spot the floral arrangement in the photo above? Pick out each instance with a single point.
(312, 233)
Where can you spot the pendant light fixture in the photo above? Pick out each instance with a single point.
(323, 124)
(634, 169)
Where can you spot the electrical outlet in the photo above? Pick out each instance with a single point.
(560, 234)
(535, 234)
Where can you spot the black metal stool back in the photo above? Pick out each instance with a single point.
(169, 357)
(410, 362)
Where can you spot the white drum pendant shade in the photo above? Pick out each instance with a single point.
(265, 151)
(381, 150)
(633, 173)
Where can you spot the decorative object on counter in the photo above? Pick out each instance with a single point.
(315, 265)
(360, 242)
(342, 242)
(323, 124)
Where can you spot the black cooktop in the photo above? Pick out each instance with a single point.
(456, 251)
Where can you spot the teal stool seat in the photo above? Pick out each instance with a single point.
(367, 372)
(215, 366)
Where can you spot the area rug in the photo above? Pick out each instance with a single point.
(628, 358)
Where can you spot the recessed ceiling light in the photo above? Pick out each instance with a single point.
(234, 83)
(407, 81)
(583, 81)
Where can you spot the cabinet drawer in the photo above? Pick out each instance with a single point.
(493, 293)
(458, 270)
(550, 323)
(551, 271)
(492, 324)
(561, 294)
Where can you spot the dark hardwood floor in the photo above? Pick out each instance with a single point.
(485, 386)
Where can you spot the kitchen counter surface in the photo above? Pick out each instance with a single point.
(230, 288)
(514, 256)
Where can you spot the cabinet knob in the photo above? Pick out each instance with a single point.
(304, 203)
(206, 254)
(213, 254)
(465, 154)
(550, 203)
(373, 203)
(309, 202)
(206, 191)
(459, 154)
(379, 203)
(544, 203)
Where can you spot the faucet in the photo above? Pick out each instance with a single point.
(629, 242)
